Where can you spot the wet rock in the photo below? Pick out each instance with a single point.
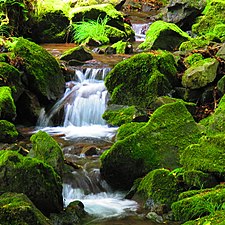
(7, 105)
(45, 148)
(154, 217)
(32, 177)
(8, 132)
(183, 12)
(90, 150)
(200, 73)
(18, 209)
(123, 47)
(165, 36)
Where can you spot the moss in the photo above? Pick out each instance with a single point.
(10, 76)
(127, 129)
(158, 144)
(78, 53)
(45, 148)
(213, 16)
(8, 132)
(3, 57)
(215, 123)
(114, 34)
(7, 105)
(160, 186)
(141, 78)
(204, 203)
(122, 47)
(18, 209)
(193, 58)
(206, 155)
(163, 35)
(32, 177)
(43, 72)
(200, 73)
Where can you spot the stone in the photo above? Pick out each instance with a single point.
(8, 132)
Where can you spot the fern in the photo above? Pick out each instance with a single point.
(85, 30)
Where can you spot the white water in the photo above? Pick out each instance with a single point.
(84, 102)
(140, 30)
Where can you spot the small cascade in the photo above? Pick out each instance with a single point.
(140, 30)
(84, 102)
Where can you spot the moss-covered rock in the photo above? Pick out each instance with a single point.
(42, 71)
(77, 53)
(8, 132)
(206, 155)
(45, 148)
(215, 123)
(122, 47)
(51, 27)
(7, 105)
(213, 18)
(193, 58)
(127, 129)
(114, 34)
(141, 78)
(160, 186)
(32, 177)
(165, 36)
(116, 115)
(200, 73)
(158, 144)
(18, 209)
(10, 76)
(204, 203)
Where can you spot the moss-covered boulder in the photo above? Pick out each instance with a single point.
(8, 132)
(200, 74)
(45, 148)
(18, 209)
(10, 76)
(32, 177)
(51, 27)
(122, 47)
(158, 144)
(193, 205)
(215, 123)
(7, 105)
(79, 53)
(116, 115)
(213, 18)
(141, 78)
(160, 186)
(192, 59)
(165, 36)
(206, 155)
(41, 69)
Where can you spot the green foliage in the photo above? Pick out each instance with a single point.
(85, 30)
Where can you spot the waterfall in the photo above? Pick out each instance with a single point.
(140, 30)
(83, 103)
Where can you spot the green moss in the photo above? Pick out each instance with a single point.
(18, 209)
(160, 186)
(193, 58)
(204, 203)
(45, 148)
(8, 132)
(213, 16)
(7, 105)
(121, 47)
(141, 78)
(114, 34)
(206, 155)
(32, 177)
(163, 35)
(127, 129)
(3, 57)
(169, 131)
(43, 72)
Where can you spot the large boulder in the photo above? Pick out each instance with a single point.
(43, 73)
(212, 21)
(32, 177)
(200, 74)
(7, 105)
(183, 12)
(141, 78)
(8, 132)
(158, 144)
(18, 209)
(45, 148)
(51, 27)
(165, 36)
(10, 76)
